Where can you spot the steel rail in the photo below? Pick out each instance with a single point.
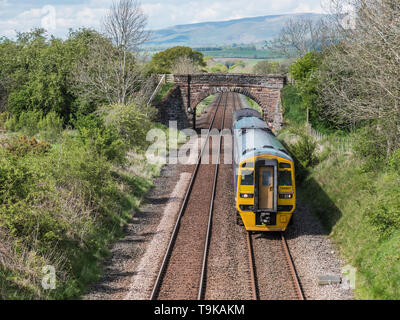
(208, 236)
(167, 255)
(295, 277)
(253, 278)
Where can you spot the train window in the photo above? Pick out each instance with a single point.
(247, 178)
(266, 178)
(248, 165)
(285, 178)
(284, 165)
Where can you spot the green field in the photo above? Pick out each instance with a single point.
(238, 53)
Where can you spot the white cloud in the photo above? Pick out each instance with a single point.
(161, 14)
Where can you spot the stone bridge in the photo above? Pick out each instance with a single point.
(190, 90)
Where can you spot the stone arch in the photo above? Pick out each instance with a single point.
(215, 90)
(264, 89)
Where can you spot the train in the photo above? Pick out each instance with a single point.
(264, 175)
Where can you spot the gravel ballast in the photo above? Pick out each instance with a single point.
(314, 255)
(132, 269)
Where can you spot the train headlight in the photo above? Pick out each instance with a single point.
(285, 196)
(247, 195)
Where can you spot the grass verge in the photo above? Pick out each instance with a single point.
(359, 207)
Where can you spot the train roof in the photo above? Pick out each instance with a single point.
(244, 113)
(256, 142)
(250, 123)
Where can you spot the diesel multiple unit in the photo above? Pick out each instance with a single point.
(265, 192)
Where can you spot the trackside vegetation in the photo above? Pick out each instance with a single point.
(355, 196)
(348, 154)
(73, 169)
(63, 203)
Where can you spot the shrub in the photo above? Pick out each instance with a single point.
(385, 214)
(294, 109)
(11, 124)
(4, 117)
(58, 208)
(21, 146)
(163, 61)
(106, 141)
(50, 127)
(394, 161)
(132, 123)
(304, 150)
(28, 122)
(370, 146)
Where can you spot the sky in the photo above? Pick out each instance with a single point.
(59, 16)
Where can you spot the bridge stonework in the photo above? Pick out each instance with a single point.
(264, 89)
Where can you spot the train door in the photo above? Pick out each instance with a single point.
(266, 188)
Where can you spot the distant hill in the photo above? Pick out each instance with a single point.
(241, 31)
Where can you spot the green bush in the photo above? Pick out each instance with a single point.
(384, 212)
(394, 161)
(4, 117)
(294, 108)
(21, 146)
(28, 122)
(132, 123)
(11, 124)
(61, 208)
(106, 141)
(304, 150)
(32, 123)
(163, 61)
(370, 146)
(50, 127)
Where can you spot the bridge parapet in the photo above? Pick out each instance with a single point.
(228, 79)
(264, 89)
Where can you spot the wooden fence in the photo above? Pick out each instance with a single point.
(340, 144)
(163, 79)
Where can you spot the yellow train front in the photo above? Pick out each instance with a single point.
(265, 192)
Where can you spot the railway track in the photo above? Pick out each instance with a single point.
(182, 275)
(289, 289)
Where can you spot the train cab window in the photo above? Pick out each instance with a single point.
(285, 178)
(248, 165)
(266, 178)
(247, 178)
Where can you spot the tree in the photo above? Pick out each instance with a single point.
(303, 72)
(162, 62)
(111, 70)
(38, 74)
(125, 25)
(358, 79)
(299, 36)
(268, 67)
(185, 65)
(8, 53)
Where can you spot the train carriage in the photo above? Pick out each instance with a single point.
(265, 192)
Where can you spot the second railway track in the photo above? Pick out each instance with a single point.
(277, 279)
(184, 271)
(182, 274)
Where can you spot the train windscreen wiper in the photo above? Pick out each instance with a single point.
(248, 150)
